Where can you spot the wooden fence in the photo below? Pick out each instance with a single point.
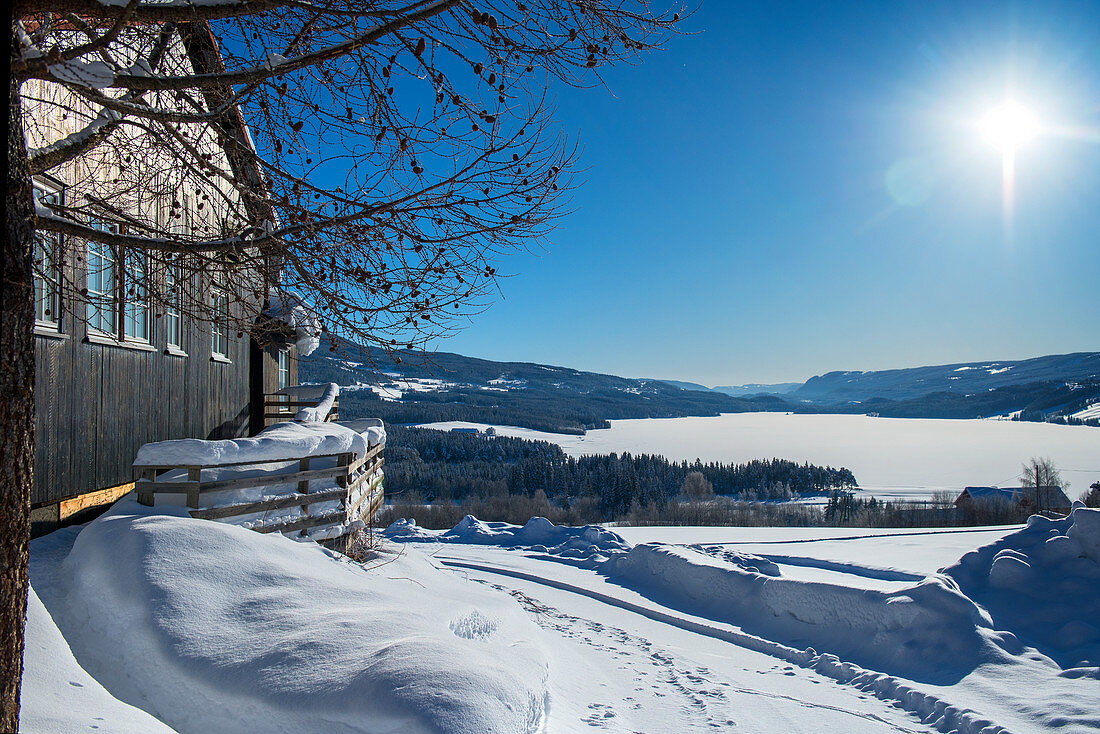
(279, 407)
(359, 500)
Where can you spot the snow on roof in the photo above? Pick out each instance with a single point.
(1048, 497)
(291, 309)
(1008, 494)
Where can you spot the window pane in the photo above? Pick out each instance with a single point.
(102, 279)
(219, 332)
(174, 320)
(47, 278)
(284, 369)
(136, 298)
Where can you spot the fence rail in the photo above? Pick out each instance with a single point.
(350, 474)
(279, 407)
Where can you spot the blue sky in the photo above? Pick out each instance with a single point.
(799, 187)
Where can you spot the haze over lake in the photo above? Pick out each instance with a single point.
(891, 457)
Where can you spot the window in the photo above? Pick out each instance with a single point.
(219, 332)
(135, 322)
(284, 368)
(118, 296)
(172, 315)
(102, 284)
(47, 274)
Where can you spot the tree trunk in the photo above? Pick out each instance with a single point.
(16, 407)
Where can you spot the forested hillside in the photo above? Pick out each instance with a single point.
(440, 465)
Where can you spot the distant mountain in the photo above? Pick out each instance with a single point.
(754, 388)
(412, 386)
(779, 388)
(966, 378)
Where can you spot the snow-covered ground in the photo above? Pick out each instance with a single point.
(904, 458)
(492, 627)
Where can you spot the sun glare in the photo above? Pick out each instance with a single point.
(1009, 126)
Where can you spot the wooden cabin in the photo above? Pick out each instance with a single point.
(1029, 499)
(113, 373)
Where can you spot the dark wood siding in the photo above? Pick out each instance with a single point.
(97, 404)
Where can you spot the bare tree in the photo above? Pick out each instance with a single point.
(1038, 474)
(1091, 497)
(373, 157)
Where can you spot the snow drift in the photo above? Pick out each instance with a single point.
(211, 627)
(928, 630)
(1042, 584)
(590, 543)
(58, 697)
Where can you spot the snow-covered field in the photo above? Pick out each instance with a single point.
(891, 457)
(491, 627)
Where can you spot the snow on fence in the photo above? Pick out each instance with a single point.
(312, 476)
(353, 483)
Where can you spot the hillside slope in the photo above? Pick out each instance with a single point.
(965, 378)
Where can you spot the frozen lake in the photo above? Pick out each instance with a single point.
(891, 457)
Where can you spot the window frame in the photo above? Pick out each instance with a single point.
(282, 368)
(139, 304)
(104, 298)
(47, 279)
(219, 324)
(173, 310)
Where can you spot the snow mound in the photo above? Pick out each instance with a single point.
(211, 627)
(744, 561)
(58, 697)
(278, 442)
(1042, 584)
(927, 631)
(591, 543)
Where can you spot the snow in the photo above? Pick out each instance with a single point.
(1043, 583)
(291, 309)
(1092, 411)
(963, 649)
(210, 627)
(213, 628)
(859, 552)
(279, 442)
(893, 458)
(590, 543)
(90, 74)
(59, 697)
(325, 401)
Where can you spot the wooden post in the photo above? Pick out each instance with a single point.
(303, 486)
(146, 498)
(194, 474)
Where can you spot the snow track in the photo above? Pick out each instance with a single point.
(932, 711)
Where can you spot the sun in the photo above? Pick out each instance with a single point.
(1009, 126)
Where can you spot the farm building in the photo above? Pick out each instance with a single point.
(135, 347)
(1045, 499)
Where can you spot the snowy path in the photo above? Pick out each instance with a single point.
(626, 664)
